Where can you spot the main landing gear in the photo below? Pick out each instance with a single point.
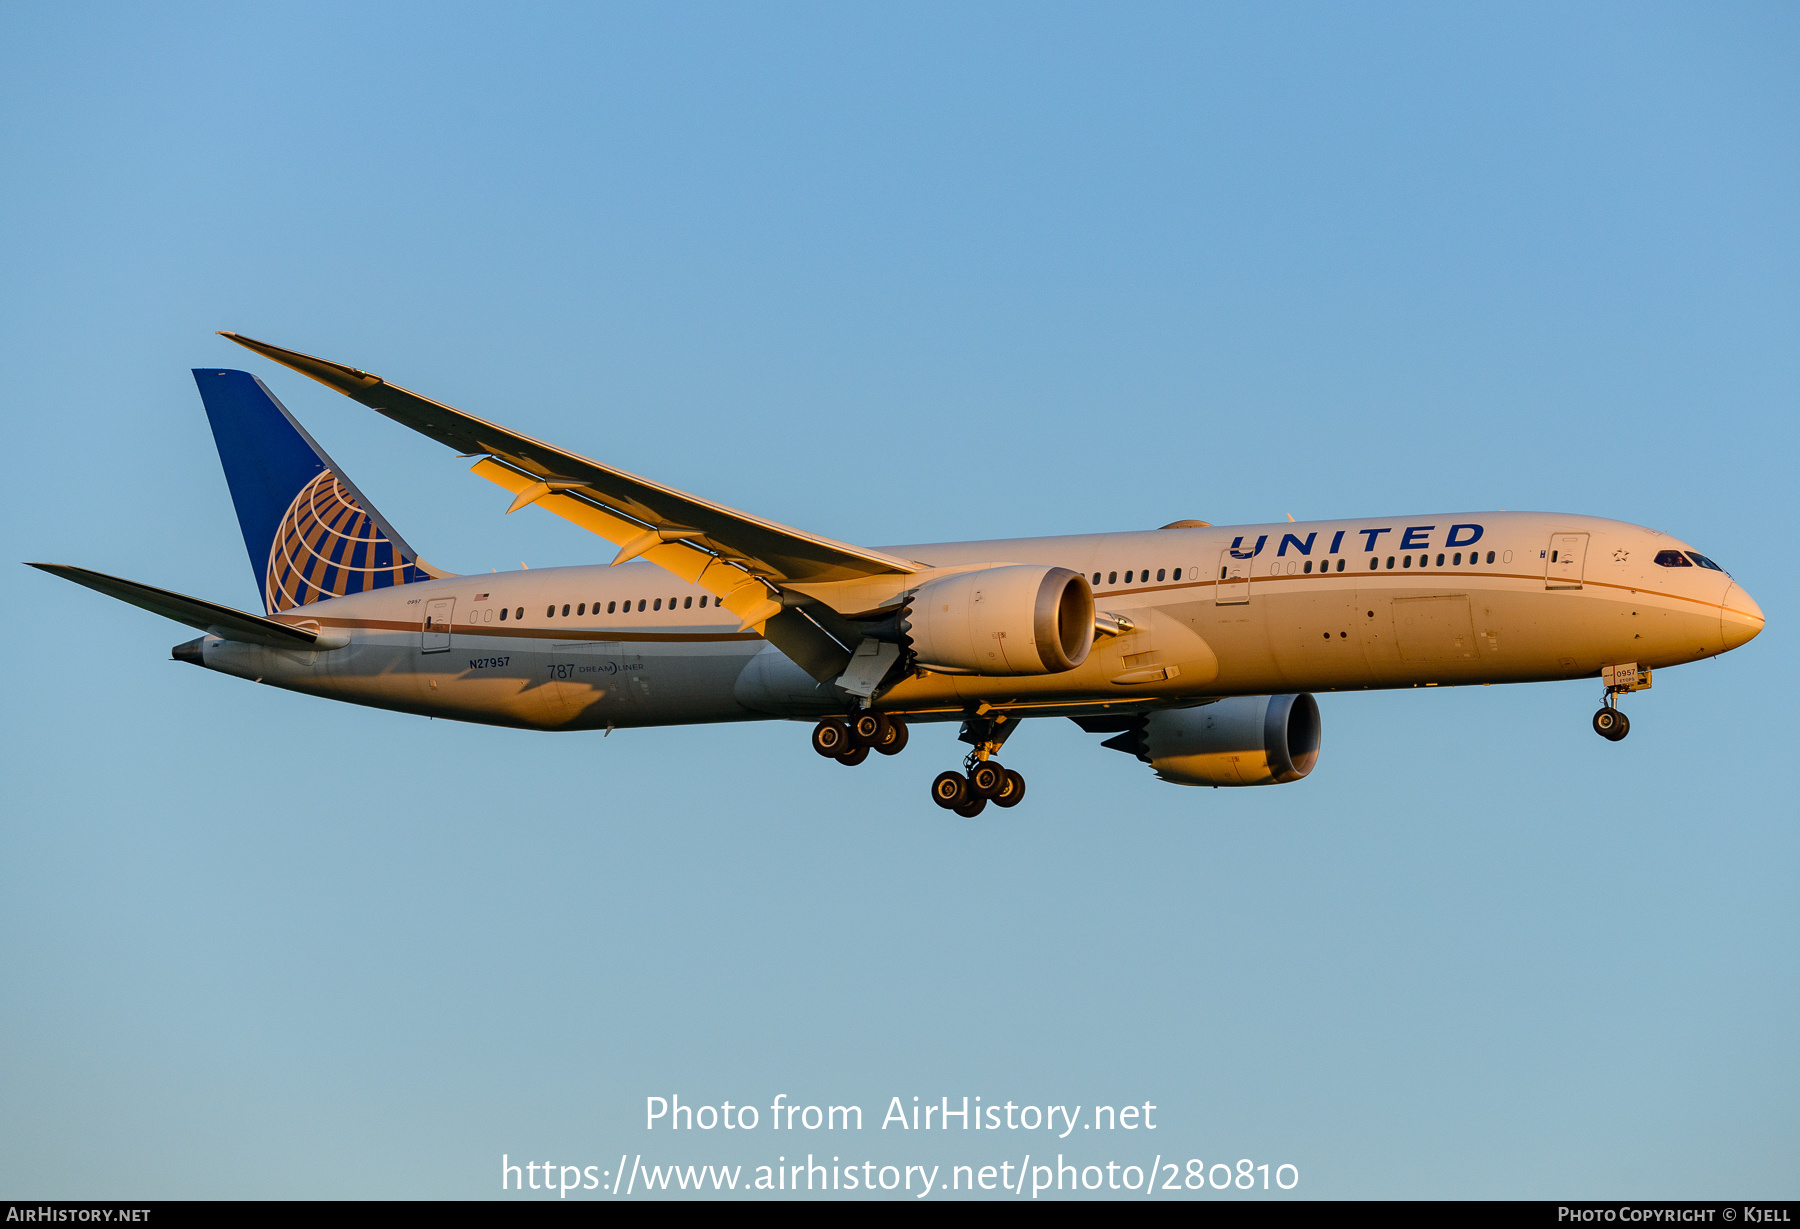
(983, 779)
(968, 793)
(849, 742)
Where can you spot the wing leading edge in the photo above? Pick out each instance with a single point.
(746, 560)
(777, 551)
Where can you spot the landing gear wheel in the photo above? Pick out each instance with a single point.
(870, 729)
(950, 790)
(850, 759)
(1611, 724)
(831, 738)
(896, 738)
(987, 779)
(972, 808)
(1013, 792)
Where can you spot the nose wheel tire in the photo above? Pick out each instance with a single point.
(1013, 792)
(1611, 724)
(987, 779)
(831, 738)
(950, 790)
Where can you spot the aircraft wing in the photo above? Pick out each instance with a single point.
(644, 514)
(209, 617)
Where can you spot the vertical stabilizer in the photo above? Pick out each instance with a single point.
(310, 533)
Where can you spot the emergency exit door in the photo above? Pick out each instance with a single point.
(1232, 580)
(1563, 560)
(434, 633)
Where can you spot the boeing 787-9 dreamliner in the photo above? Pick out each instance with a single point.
(1195, 647)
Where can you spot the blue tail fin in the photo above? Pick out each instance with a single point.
(310, 533)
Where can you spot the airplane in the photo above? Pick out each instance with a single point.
(1197, 648)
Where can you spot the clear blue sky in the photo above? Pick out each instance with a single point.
(897, 274)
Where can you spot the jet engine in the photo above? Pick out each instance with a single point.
(1014, 619)
(1245, 740)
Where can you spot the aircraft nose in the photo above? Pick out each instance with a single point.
(1740, 618)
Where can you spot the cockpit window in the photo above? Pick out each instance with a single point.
(1672, 559)
(1703, 561)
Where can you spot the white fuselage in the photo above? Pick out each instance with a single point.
(1428, 600)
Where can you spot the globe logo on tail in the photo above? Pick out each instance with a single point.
(326, 546)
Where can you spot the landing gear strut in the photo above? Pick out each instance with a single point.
(983, 779)
(1609, 722)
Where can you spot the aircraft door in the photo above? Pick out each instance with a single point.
(1563, 560)
(434, 633)
(1232, 580)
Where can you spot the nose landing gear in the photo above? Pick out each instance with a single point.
(1609, 722)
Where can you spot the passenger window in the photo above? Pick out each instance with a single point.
(641, 605)
(1390, 563)
(581, 609)
(503, 614)
(1458, 560)
(1096, 578)
(1159, 573)
(565, 610)
(703, 601)
(520, 613)
(1174, 573)
(611, 606)
(1373, 564)
(1128, 576)
(1340, 566)
(657, 605)
(1308, 570)
(1491, 556)
(1406, 562)
(1440, 561)
(1704, 562)
(1112, 578)
(1221, 573)
(688, 604)
(550, 612)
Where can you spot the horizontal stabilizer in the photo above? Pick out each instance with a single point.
(220, 621)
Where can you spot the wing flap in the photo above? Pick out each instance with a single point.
(209, 617)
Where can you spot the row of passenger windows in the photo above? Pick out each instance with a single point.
(1306, 570)
(1406, 561)
(614, 607)
(1112, 578)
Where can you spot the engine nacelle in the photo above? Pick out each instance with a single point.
(1246, 740)
(1019, 618)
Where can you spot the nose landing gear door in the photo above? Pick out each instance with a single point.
(1232, 580)
(434, 633)
(1563, 560)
